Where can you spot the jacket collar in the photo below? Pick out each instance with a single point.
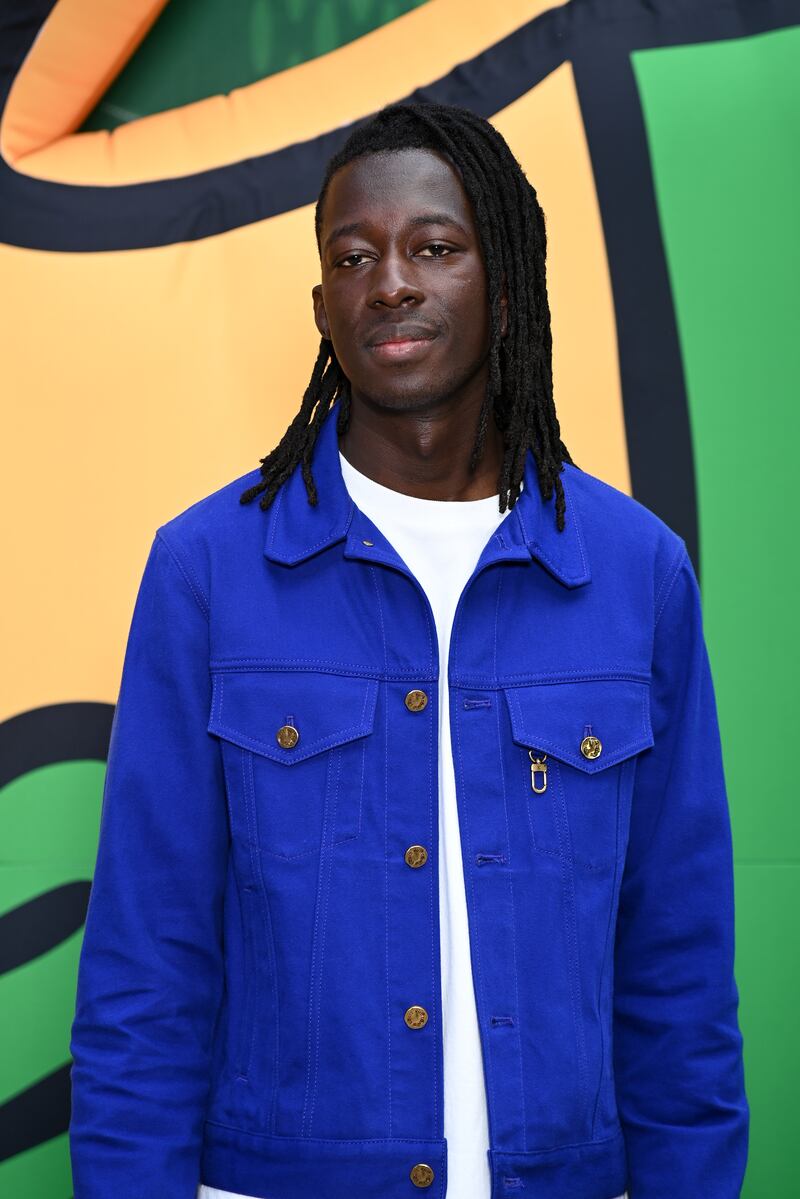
(296, 530)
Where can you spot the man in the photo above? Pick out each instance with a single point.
(415, 864)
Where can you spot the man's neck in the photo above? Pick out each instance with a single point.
(425, 453)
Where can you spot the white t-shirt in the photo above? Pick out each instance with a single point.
(440, 542)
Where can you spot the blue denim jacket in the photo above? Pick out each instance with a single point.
(258, 1001)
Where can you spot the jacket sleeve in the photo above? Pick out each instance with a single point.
(150, 973)
(677, 1045)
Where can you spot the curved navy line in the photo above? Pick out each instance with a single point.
(37, 1114)
(39, 925)
(70, 732)
(41, 215)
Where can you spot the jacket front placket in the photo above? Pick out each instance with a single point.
(412, 896)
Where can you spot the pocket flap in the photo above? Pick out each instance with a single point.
(555, 717)
(249, 707)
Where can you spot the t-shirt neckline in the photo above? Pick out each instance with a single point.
(389, 494)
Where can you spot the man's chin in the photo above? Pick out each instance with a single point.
(416, 396)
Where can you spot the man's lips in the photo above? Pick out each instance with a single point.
(409, 347)
(403, 330)
(402, 343)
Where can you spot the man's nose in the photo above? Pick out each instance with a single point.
(392, 282)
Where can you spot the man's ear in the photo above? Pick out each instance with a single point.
(503, 308)
(320, 315)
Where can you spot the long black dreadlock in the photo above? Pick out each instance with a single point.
(511, 228)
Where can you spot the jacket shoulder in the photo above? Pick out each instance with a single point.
(197, 534)
(616, 526)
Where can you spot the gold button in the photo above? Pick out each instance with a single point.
(416, 701)
(365, 542)
(591, 747)
(416, 855)
(287, 736)
(416, 1016)
(421, 1175)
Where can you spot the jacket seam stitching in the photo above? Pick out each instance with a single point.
(611, 673)
(252, 982)
(377, 584)
(514, 1153)
(518, 1006)
(488, 1056)
(576, 509)
(274, 522)
(569, 911)
(605, 1048)
(266, 915)
(357, 670)
(188, 577)
(317, 966)
(249, 1132)
(668, 582)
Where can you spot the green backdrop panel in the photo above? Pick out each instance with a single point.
(767, 895)
(40, 1173)
(200, 48)
(50, 823)
(723, 124)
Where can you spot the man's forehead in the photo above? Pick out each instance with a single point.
(424, 190)
(381, 176)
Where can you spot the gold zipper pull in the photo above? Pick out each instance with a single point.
(538, 766)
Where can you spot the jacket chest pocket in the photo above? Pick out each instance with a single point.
(576, 753)
(294, 747)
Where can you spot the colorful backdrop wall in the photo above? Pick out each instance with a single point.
(158, 171)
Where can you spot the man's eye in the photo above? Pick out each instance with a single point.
(431, 246)
(437, 246)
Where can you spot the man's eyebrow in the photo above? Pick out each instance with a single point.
(437, 218)
(424, 218)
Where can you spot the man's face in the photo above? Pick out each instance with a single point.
(401, 260)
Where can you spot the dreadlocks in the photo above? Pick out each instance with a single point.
(511, 227)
